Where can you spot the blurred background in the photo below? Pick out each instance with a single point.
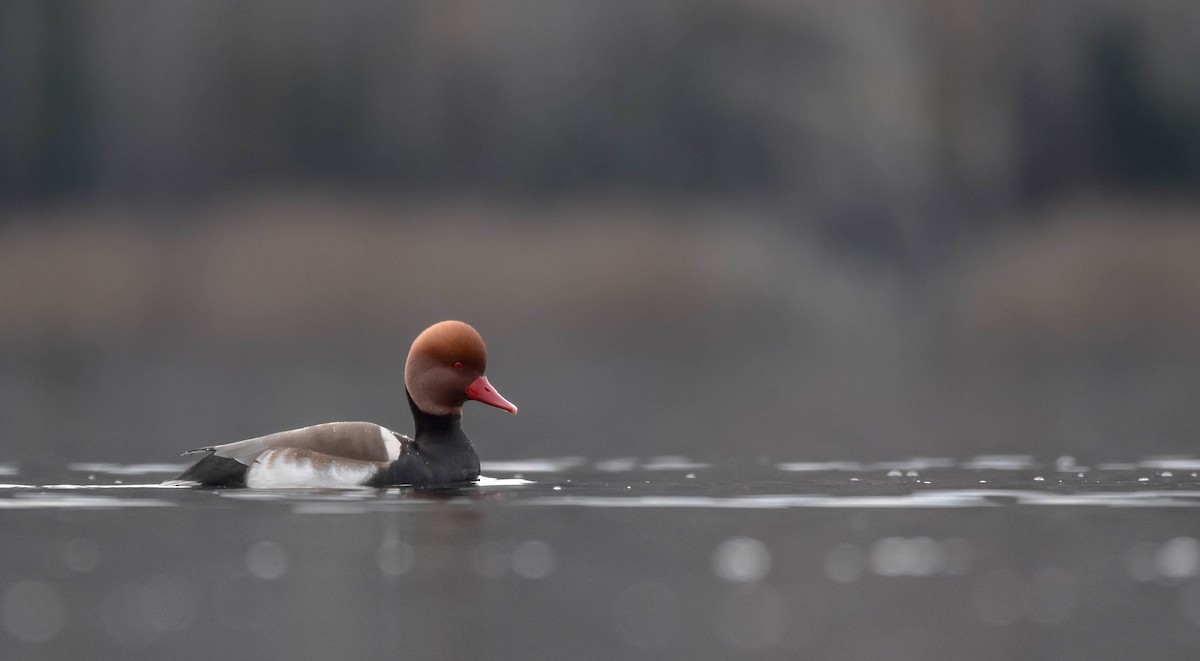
(753, 231)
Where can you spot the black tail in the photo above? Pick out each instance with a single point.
(214, 471)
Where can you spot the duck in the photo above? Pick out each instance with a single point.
(444, 369)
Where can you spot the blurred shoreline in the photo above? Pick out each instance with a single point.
(643, 329)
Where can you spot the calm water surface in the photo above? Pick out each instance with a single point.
(991, 558)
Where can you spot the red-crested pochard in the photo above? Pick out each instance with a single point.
(444, 369)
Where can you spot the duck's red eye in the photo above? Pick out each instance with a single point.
(458, 364)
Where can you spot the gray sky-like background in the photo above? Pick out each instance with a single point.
(735, 231)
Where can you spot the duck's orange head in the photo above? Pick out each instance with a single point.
(445, 368)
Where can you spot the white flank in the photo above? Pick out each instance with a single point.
(284, 468)
(390, 442)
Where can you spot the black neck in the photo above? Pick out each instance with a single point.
(440, 428)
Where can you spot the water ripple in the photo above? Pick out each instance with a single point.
(61, 501)
(916, 500)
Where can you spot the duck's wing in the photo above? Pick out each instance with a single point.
(353, 441)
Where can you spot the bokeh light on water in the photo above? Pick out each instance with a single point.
(395, 557)
(1179, 558)
(267, 560)
(741, 560)
(898, 556)
(533, 559)
(1172, 560)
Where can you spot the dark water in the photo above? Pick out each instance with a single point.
(992, 558)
